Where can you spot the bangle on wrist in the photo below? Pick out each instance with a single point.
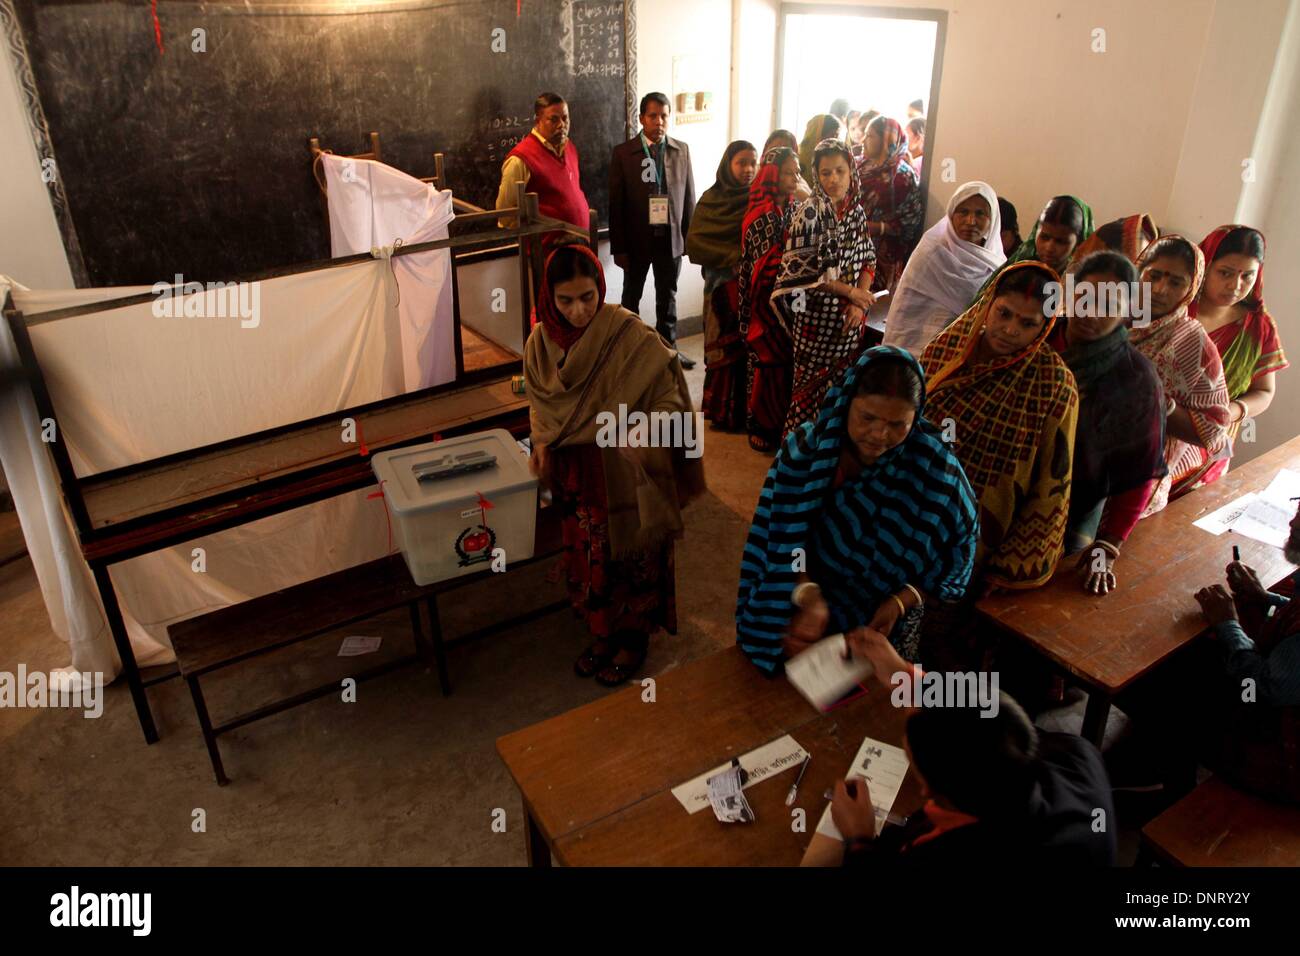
(798, 595)
(902, 609)
(920, 601)
(1106, 546)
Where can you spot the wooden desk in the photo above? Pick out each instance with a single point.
(1108, 642)
(596, 782)
(1216, 825)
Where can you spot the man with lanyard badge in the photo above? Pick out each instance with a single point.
(651, 201)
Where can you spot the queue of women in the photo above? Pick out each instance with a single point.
(992, 431)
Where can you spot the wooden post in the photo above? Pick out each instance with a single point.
(525, 280)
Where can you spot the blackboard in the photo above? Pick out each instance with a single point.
(196, 162)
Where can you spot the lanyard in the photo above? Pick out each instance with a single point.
(659, 165)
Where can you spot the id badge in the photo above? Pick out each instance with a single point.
(658, 210)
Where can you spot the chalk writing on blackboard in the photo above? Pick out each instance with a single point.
(593, 37)
(499, 134)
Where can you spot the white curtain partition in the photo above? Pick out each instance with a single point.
(130, 385)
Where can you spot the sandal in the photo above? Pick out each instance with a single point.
(616, 673)
(761, 444)
(596, 657)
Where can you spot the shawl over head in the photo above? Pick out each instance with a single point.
(820, 242)
(714, 236)
(895, 154)
(763, 235)
(907, 518)
(617, 360)
(1190, 371)
(1014, 422)
(1028, 250)
(765, 190)
(821, 127)
(1127, 236)
(942, 275)
(548, 314)
(1252, 348)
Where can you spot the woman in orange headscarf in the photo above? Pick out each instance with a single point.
(1231, 309)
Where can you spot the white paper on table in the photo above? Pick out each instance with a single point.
(1265, 521)
(356, 645)
(1284, 486)
(1268, 517)
(1217, 522)
(822, 674)
(884, 766)
(767, 761)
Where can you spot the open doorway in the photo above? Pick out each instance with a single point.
(877, 58)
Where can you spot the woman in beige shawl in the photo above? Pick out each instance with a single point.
(619, 478)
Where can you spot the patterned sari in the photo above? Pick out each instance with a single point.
(1014, 421)
(1192, 375)
(907, 518)
(891, 194)
(770, 352)
(1250, 349)
(823, 244)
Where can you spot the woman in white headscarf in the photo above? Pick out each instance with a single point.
(953, 259)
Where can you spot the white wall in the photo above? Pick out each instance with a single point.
(1227, 110)
(1272, 203)
(31, 250)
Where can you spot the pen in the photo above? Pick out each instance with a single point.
(1236, 553)
(794, 787)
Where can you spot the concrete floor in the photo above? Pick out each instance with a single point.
(403, 776)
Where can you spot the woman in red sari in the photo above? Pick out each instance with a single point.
(1231, 309)
(768, 342)
(891, 198)
(620, 506)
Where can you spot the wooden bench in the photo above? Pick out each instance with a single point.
(220, 638)
(1217, 825)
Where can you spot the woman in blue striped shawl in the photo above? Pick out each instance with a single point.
(866, 511)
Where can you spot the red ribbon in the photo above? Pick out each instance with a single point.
(157, 27)
(361, 440)
(483, 506)
(387, 517)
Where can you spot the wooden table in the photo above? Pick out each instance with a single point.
(1217, 825)
(596, 782)
(1108, 642)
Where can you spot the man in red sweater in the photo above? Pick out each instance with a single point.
(547, 162)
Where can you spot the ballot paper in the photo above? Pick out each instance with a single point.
(1268, 517)
(356, 645)
(727, 795)
(1217, 522)
(884, 766)
(767, 761)
(822, 674)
